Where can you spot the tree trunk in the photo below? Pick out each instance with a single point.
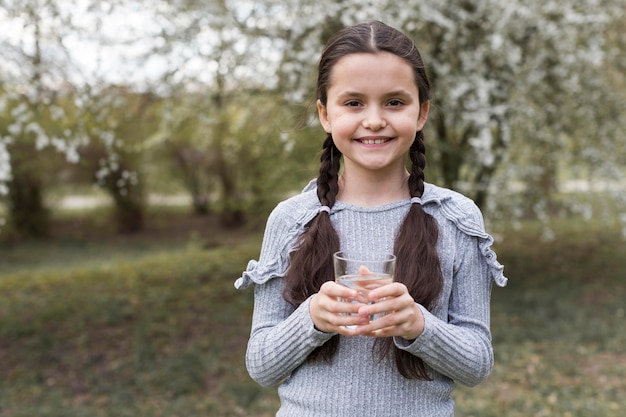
(451, 159)
(28, 215)
(129, 206)
(192, 166)
(232, 212)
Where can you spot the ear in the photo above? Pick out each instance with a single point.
(323, 116)
(423, 116)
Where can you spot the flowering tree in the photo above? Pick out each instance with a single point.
(51, 100)
(34, 108)
(221, 116)
(525, 94)
(518, 86)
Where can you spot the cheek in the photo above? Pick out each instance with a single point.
(342, 125)
(342, 130)
(406, 125)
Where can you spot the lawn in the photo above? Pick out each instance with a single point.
(92, 324)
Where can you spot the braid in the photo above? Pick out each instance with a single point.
(417, 153)
(417, 238)
(328, 179)
(417, 264)
(312, 263)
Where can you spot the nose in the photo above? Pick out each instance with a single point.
(374, 119)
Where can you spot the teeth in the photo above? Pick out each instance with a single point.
(373, 141)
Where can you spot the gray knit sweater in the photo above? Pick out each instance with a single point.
(455, 343)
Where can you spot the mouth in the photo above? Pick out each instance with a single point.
(373, 141)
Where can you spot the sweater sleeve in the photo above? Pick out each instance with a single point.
(460, 346)
(282, 229)
(282, 337)
(457, 342)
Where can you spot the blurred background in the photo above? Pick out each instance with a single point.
(143, 144)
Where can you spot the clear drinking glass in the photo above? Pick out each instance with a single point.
(364, 273)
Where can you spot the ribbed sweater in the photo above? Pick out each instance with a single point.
(455, 344)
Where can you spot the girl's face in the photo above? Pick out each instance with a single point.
(373, 112)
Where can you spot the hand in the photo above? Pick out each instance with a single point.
(404, 317)
(331, 315)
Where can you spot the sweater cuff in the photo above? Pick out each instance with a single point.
(422, 340)
(317, 336)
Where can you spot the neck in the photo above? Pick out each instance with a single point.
(373, 190)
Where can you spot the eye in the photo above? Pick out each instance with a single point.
(352, 103)
(394, 102)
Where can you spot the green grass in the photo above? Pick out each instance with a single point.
(558, 327)
(152, 326)
(163, 335)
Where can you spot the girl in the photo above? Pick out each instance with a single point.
(373, 101)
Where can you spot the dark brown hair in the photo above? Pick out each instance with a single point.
(415, 244)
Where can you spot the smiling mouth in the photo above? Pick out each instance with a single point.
(376, 141)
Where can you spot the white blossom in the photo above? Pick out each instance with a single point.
(41, 141)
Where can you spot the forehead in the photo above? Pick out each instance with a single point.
(381, 70)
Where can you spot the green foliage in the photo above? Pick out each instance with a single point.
(241, 155)
(25, 131)
(118, 122)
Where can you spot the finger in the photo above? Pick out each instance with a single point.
(334, 290)
(345, 306)
(345, 324)
(328, 306)
(376, 328)
(395, 289)
(386, 305)
(333, 316)
(407, 323)
(348, 325)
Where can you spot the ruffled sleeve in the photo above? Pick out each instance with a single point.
(284, 225)
(258, 273)
(468, 218)
(273, 262)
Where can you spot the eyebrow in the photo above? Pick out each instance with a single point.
(395, 93)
